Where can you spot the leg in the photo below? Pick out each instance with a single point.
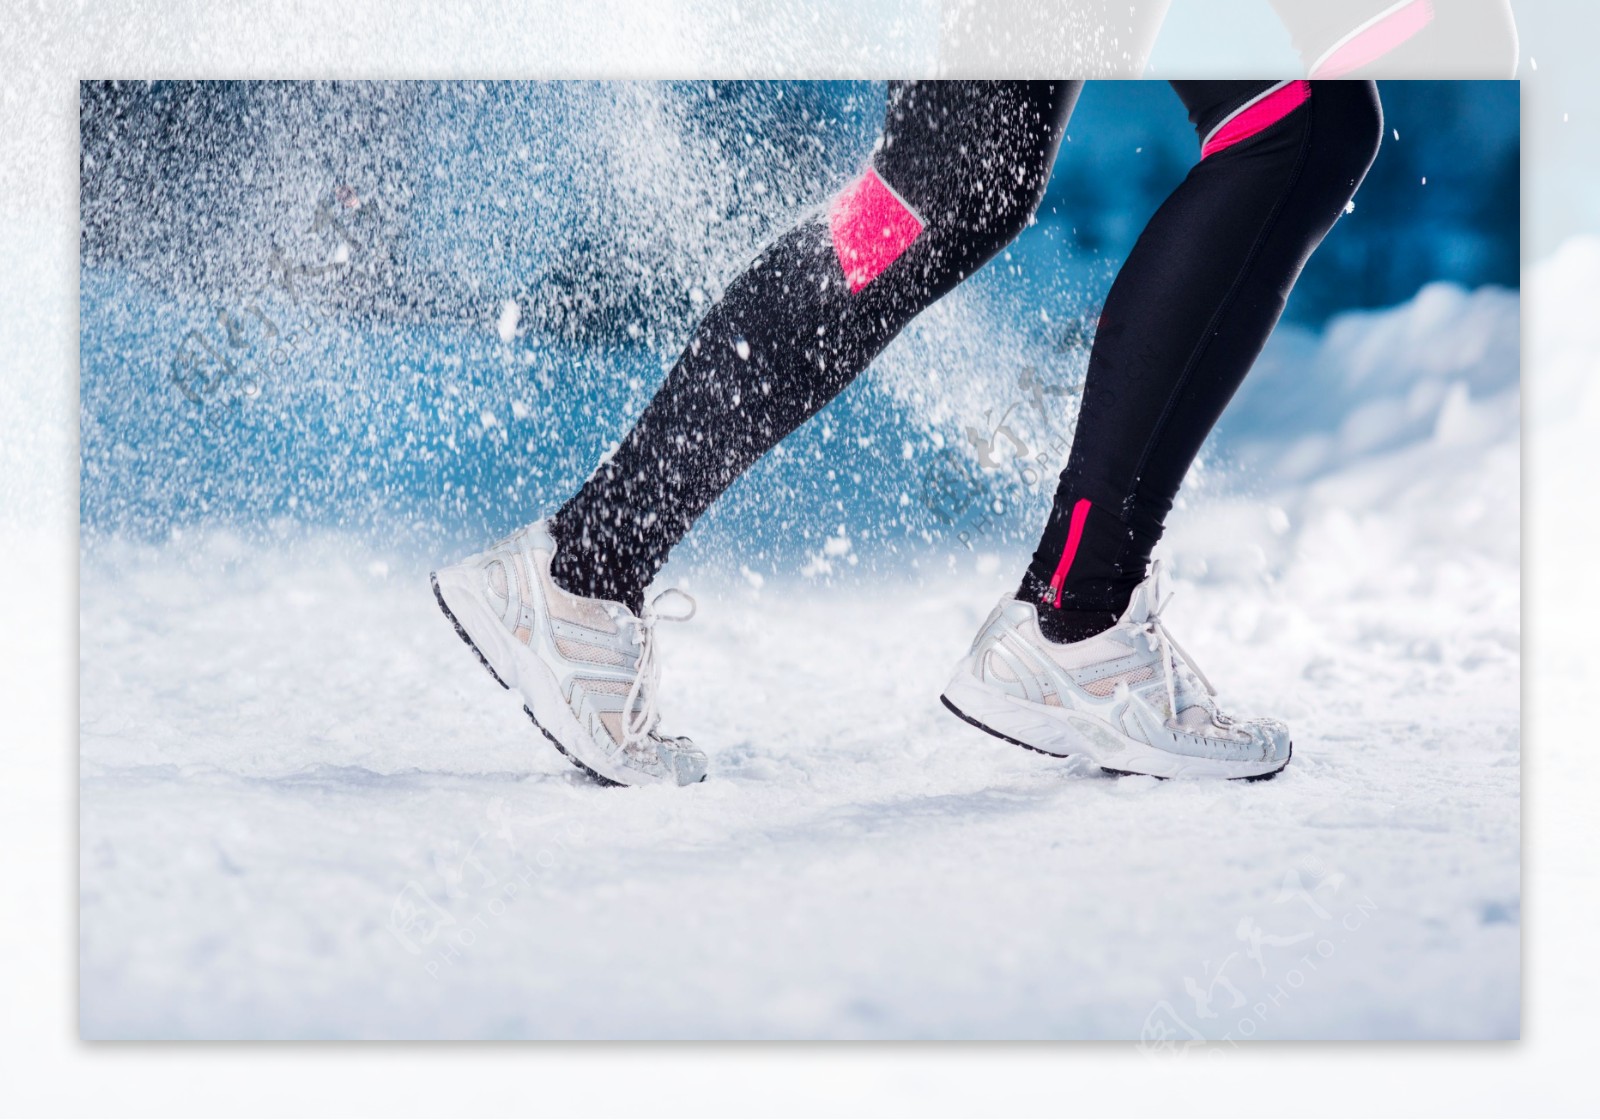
(556, 610)
(1079, 662)
(1185, 318)
(812, 311)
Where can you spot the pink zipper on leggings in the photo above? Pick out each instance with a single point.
(1080, 514)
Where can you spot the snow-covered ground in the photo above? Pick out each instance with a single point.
(307, 811)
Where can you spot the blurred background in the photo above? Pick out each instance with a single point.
(421, 311)
(488, 191)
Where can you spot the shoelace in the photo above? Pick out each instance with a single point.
(1155, 630)
(637, 726)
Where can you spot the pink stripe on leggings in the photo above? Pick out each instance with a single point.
(1372, 42)
(1256, 116)
(1069, 551)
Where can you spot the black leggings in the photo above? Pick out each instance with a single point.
(956, 175)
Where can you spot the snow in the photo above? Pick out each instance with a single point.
(506, 325)
(306, 811)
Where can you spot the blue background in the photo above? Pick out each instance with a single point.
(352, 393)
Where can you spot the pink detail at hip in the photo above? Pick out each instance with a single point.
(1258, 116)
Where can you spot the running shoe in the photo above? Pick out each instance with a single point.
(586, 668)
(1130, 698)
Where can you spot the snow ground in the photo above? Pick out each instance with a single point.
(306, 811)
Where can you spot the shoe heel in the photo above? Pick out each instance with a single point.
(989, 709)
(459, 606)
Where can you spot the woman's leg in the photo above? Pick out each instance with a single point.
(1187, 315)
(1185, 319)
(956, 175)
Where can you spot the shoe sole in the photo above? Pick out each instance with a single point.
(461, 632)
(1265, 775)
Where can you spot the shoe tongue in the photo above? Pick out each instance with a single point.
(1139, 603)
(1144, 597)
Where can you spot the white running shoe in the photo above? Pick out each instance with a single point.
(586, 668)
(1111, 697)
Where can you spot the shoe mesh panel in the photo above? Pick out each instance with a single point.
(597, 655)
(613, 725)
(1105, 686)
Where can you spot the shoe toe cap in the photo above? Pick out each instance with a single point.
(1273, 737)
(685, 762)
